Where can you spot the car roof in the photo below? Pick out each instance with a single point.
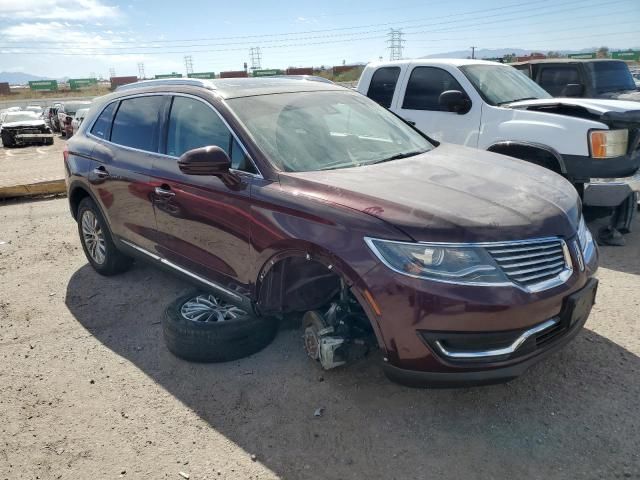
(237, 87)
(566, 60)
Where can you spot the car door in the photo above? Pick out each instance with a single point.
(204, 222)
(418, 103)
(128, 139)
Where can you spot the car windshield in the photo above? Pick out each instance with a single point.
(20, 117)
(500, 84)
(72, 108)
(325, 130)
(610, 76)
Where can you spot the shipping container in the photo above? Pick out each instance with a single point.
(234, 74)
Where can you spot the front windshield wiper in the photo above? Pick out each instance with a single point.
(399, 156)
(518, 100)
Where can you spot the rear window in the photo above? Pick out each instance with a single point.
(136, 123)
(554, 78)
(102, 126)
(383, 84)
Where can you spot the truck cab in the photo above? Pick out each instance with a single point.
(595, 78)
(495, 107)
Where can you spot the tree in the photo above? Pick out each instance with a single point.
(552, 54)
(603, 52)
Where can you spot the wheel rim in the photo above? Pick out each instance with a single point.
(209, 308)
(93, 237)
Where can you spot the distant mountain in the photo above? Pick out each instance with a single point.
(501, 52)
(481, 53)
(19, 78)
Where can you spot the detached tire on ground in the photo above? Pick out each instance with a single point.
(204, 327)
(7, 141)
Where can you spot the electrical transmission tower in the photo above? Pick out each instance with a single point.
(395, 44)
(256, 56)
(188, 64)
(141, 71)
(112, 72)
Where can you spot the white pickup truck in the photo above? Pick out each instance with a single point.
(594, 143)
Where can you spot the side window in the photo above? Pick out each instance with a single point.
(103, 124)
(194, 124)
(524, 69)
(554, 78)
(383, 84)
(425, 86)
(136, 123)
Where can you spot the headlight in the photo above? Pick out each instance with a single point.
(608, 143)
(585, 239)
(440, 262)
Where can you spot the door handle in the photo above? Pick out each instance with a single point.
(101, 172)
(164, 191)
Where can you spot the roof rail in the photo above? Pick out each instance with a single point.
(194, 82)
(310, 78)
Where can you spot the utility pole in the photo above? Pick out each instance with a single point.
(188, 64)
(141, 71)
(112, 72)
(395, 44)
(255, 56)
(473, 52)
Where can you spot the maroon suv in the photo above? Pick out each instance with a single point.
(291, 195)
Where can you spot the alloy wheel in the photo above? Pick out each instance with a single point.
(209, 308)
(93, 237)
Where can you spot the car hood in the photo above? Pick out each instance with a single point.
(452, 194)
(25, 123)
(593, 105)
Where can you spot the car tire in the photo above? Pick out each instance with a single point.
(6, 140)
(199, 327)
(48, 141)
(97, 241)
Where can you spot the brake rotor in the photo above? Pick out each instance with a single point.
(314, 326)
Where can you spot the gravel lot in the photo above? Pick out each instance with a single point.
(90, 391)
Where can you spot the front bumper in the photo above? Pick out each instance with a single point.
(571, 317)
(414, 313)
(610, 192)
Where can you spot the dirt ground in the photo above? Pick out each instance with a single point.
(88, 389)
(31, 164)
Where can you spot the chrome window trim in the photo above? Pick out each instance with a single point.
(195, 276)
(172, 94)
(497, 352)
(561, 278)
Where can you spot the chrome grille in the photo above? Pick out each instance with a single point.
(530, 263)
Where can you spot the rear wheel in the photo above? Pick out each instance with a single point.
(97, 243)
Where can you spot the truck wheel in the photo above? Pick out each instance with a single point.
(97, 243)
(204, 327)
(48, 141)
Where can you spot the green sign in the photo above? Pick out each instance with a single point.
(582, 56)
(78, 83)
(44, 85)
(169, 75)
(266, 73)
(202, 75)
(628, 55)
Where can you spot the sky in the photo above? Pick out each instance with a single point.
(83, 38)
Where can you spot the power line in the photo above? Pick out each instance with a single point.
(255, 57)
(188, 64)
(395, 44)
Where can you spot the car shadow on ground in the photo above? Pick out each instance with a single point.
(575, 412)
(624, 259)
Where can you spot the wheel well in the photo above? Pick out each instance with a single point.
(531, 154)
(75, 198)
(296, 284)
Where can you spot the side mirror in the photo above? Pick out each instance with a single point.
(573, 90)
(455, 101)
(205, 161)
